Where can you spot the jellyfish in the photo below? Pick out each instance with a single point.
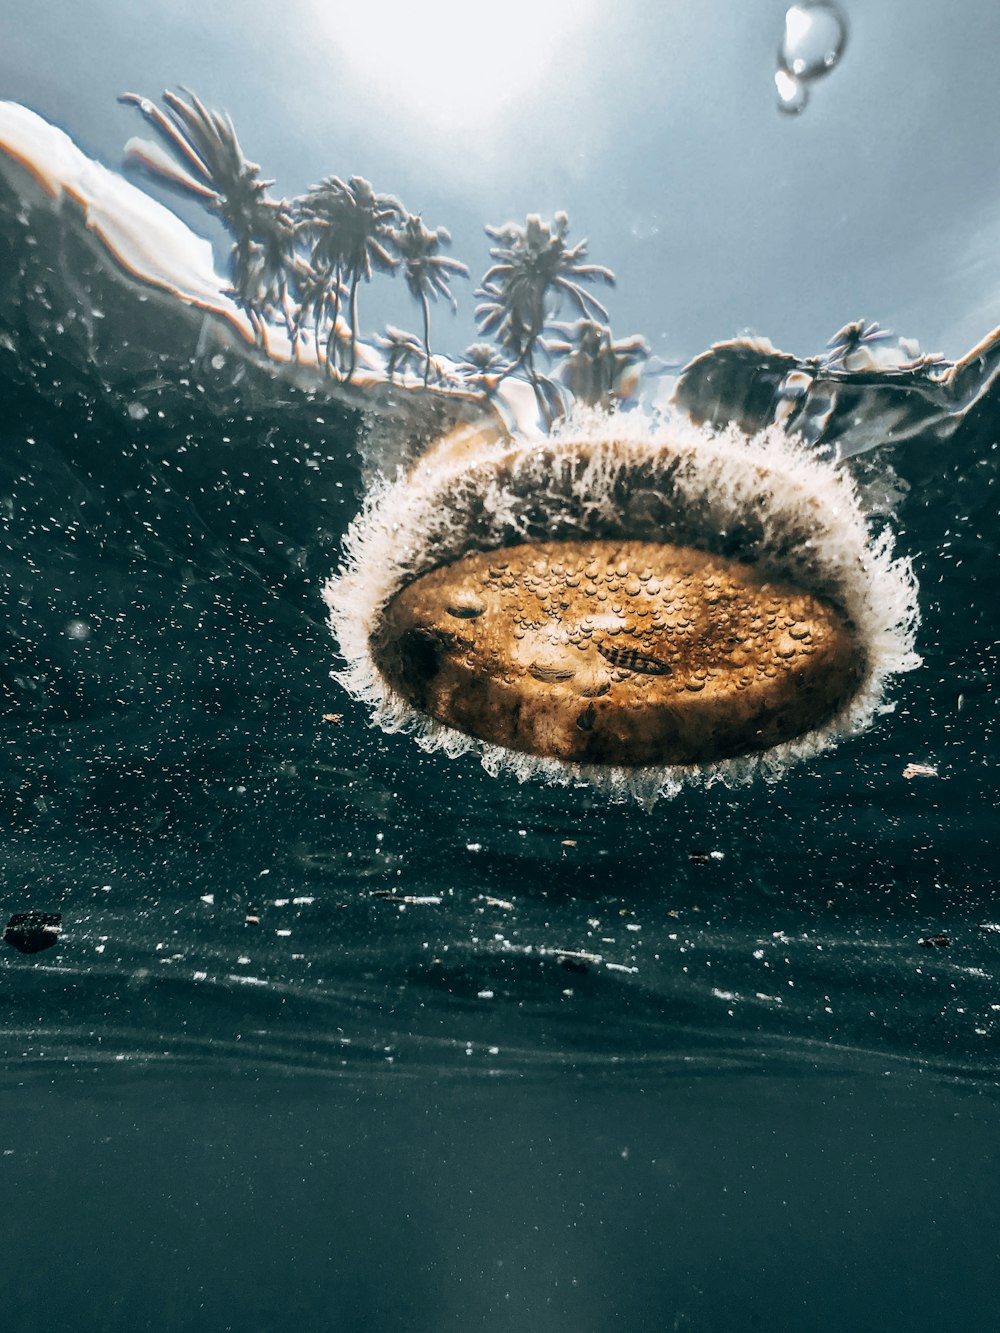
(631, 605)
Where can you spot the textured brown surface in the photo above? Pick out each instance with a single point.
(616, 653)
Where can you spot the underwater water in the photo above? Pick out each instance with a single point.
(341, 1034)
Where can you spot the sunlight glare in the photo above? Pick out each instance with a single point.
(455, 66)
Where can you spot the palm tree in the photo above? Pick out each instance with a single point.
(535, 269)
(210, 163)
(404, 352)
(352, 230)
(317, 290)
(848, 344)
(484, 366)
(597, 368)
(426, 270)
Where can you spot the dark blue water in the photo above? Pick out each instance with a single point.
(592, 1078)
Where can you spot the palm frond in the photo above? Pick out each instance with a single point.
(533, 271)
(351, 229)
(209, 162)
(598, 368)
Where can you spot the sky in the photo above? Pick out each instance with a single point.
(655, 125)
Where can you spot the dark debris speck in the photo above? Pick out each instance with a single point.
(31, 932)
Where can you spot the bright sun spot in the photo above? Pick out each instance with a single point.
(453, 65)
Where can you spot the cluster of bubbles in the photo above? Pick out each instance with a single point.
(814, 41)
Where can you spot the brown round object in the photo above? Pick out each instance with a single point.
(617, 652)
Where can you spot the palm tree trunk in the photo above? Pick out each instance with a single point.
(331, 368)
(540, 400)
(317, 321)
(354, 327)
(427, 338)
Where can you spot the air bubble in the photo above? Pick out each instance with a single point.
(792, 94)
(815, 37)
(814, 41)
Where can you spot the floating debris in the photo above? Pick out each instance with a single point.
(414, 899)
(920, 771)
(31, 932)
(575, 960)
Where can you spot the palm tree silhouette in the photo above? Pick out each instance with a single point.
(352, 229)
(212, 166)
(598, 368)
(317, 289)
(851, 343)
(484, 366)
(426, 270)
(535, 269)
(404, 351)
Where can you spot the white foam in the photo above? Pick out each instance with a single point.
(798, 517)
(145, 238)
